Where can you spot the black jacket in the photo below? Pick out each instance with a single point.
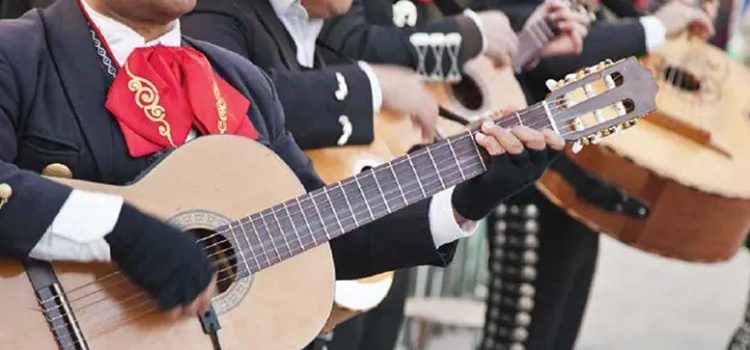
(251, 29)
(367, 33)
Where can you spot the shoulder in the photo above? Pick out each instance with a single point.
(22, 37)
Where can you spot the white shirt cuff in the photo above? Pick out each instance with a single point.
(77, 232)
(478, 21)
(656, 33)
(443, 223)
(377, 92)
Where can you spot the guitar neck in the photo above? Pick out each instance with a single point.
(532, 40)
(282, 231)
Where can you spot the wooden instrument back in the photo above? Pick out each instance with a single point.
(689, 160)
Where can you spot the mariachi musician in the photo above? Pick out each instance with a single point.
(280, 36)
(567, 249)
(66, 110)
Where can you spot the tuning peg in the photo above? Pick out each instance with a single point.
(552, 84)
(590, 140)
(629, 124)
(612, 130)
(576, 147)
(571, 78)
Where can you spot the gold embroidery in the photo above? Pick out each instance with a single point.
(221, 109)
(147, 99)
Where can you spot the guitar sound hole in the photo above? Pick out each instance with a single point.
(681, 78)
(221, 252)
(467, 93)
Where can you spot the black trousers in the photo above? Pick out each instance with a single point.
(553, 254)
(377, 329)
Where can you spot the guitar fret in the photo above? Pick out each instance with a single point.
(333, 209)
(349, 204)
(307, 222)
(244, 234)
(367, 203)
(380, 189)
(476, 148)
(270, 235)
(260, 242)
(455, 159)
(421, 188)
(281, 230)
(437, 171)
(518, 116)
(398, 184)
(322, 222)
(240, 250)
(294, 227)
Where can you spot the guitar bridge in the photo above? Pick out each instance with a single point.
(55, 306)
(60, 319)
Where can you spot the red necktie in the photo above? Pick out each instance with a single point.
(161, 93)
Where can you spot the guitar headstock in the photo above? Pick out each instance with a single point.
(601, 100)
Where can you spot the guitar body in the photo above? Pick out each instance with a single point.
(198, 186)
(334, 164)
(483, 89)
(395, 135)
(688, 161)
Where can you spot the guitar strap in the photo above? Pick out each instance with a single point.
(596, 191)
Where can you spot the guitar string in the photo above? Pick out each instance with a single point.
(508, 117)
(147, 301)
(408, 187)
(155, 310)
(263, 245)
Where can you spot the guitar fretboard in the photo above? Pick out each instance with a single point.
(292, 227)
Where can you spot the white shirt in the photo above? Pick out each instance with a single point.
(655, 32)
(304, 31)
(77, 232)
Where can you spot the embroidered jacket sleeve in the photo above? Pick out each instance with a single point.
(324, 107)
(367, 33)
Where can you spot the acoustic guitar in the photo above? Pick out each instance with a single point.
(688, 162)
(484, 89)
(275, 286)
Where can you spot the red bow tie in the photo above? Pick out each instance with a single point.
(161, 93)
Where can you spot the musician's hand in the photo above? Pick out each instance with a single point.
(573, 26)
(517, 158)
(681, 15)
(200, 305)
(167, 263)
(404, 93)
(502, 42)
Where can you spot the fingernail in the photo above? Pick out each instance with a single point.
(488, 124)
(479, 136)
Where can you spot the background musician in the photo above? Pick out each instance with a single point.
(280, 37)
(66, 109)
(566, 261)
(568, 250)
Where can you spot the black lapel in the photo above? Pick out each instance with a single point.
(78, 65)
(280, 36)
